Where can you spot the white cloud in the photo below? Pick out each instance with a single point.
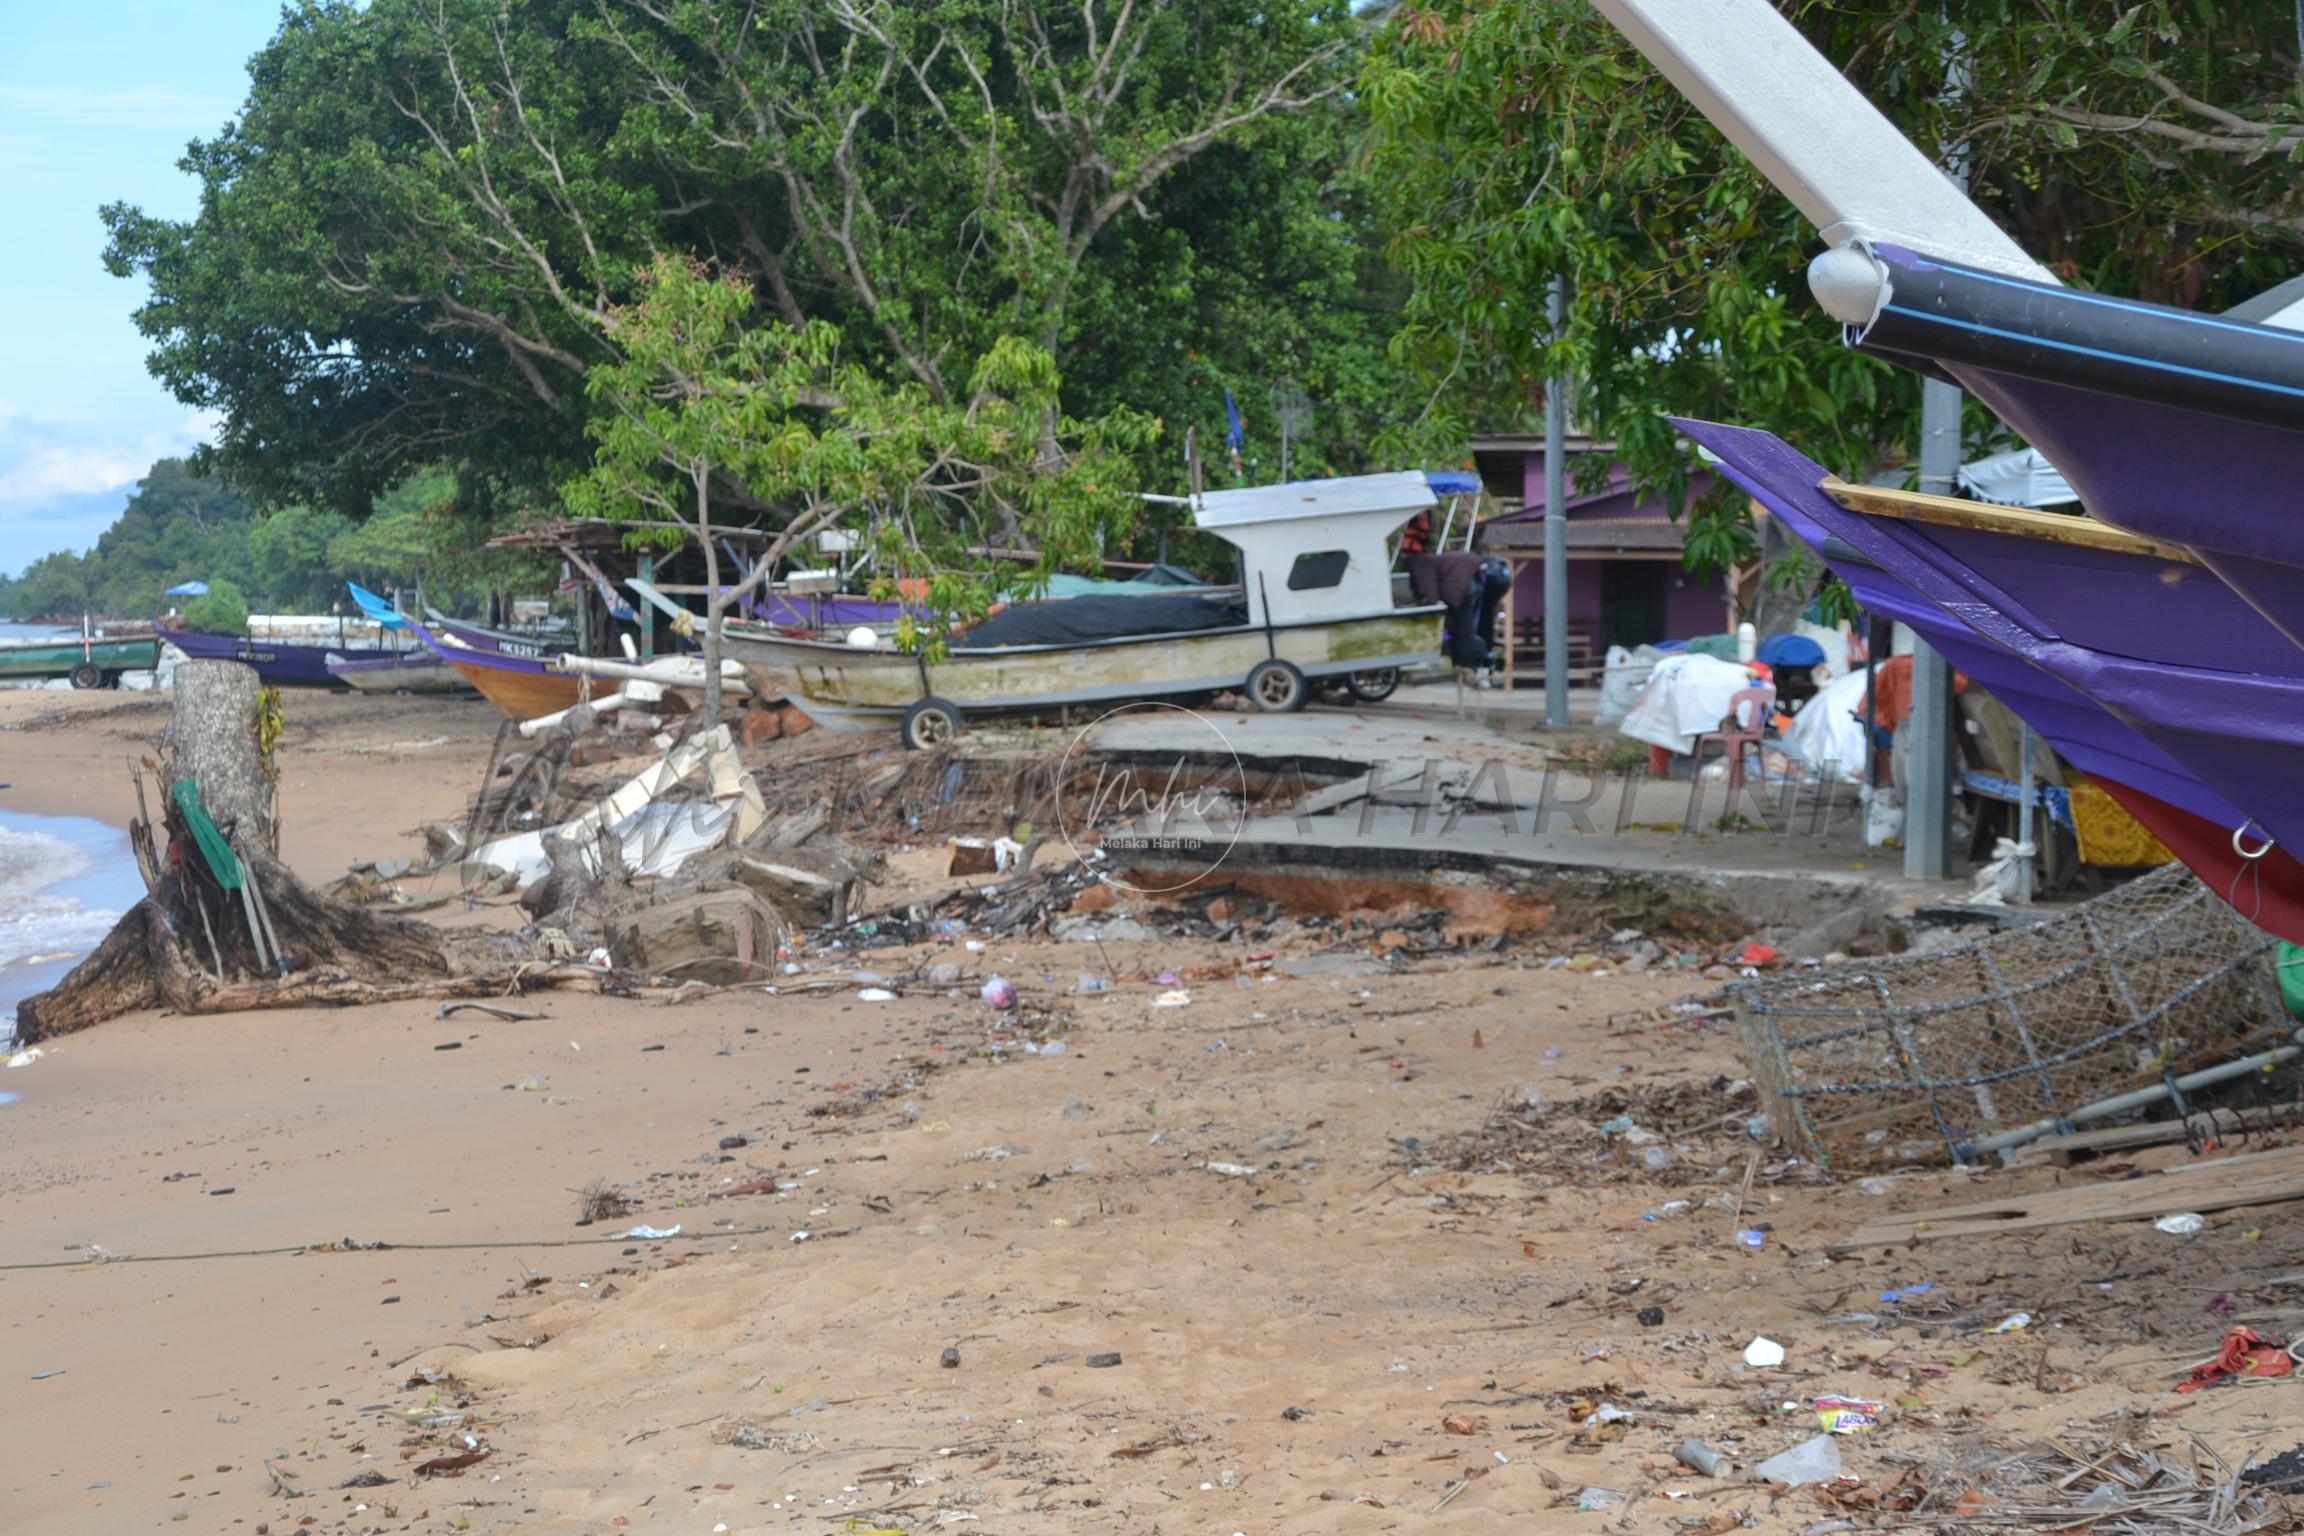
(66, 471)
(172, 111)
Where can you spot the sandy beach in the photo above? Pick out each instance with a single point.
(1258, 1261)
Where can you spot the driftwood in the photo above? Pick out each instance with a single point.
(195, 944)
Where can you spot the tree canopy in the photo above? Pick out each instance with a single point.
(2147, 148)
(425, 223)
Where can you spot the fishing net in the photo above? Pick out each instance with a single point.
(1942, 1055)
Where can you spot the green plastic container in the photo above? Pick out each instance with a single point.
(2288, 965)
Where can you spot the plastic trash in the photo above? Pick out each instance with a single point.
(1906, 1292)
(650, 1234)
(1592, 1499)
(2181, 1224)
(1762, 1353)
(1848, 1415)
(1811, 1461)
(1179, 998)
(1657, 1158)
(1707, 1459)
(875, 995)
(1752, 1238)
(1233, 1170)
(2014, 1322)
(26, 1057)
(1000, 992)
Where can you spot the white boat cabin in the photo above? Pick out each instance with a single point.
(1315, 549)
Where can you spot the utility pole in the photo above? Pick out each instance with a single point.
(1928, 797)
(1555, 525)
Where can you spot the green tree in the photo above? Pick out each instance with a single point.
(55, 586)
(221, 610)
(2133, 147)
(288, 554)
(708, 408)
(422, 227)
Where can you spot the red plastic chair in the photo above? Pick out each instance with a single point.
(1750, 728)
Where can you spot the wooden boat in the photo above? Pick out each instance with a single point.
(282, 663)
(1317, 604)
(411, 671)
(2183, 427)
(523, 687)
(2163, 740)
(89, 660)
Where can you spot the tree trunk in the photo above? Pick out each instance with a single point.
(213, 741)
(215, 926)
(715, 606)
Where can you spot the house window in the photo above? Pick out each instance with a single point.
(1311, 572)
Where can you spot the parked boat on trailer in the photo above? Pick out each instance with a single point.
(1314, 605)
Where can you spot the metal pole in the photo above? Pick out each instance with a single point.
(1556, 525)
(2025, 793)
(1928, 798)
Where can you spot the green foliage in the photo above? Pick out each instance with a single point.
(711, 413)
(52, 587)
(2126, 145)
(288, 556)
(222, 610)
(418, 233)
(184, 526)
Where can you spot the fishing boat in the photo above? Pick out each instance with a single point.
(2162, 761)
(1315, 603)
(88, 660)
(414, 670)
(281, 663)
(522, 687)
(2183, 427)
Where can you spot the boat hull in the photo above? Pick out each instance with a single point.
(849, 688)
(45, 659)
(2155, 736)
(279, 663)
(527, 695)
(412, 672)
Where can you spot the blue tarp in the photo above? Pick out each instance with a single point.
(375, 607)
(1790, 651)
(1452, 482)
(188, 589)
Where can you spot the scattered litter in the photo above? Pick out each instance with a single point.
(1651, 1317)
(1591, 1500)
(1233, 1170)
(1762, 1353)
(651, 1234)
(2244, 1352)
(2014, 1322)
(1709, 1460)
(999, 1154)
(1811, 1461)
(2180, 1224)
(26, 1057)
(1177, 998)
(950, 1359)
(1892, 1298)
(1000, 992)
(875, 995)
(1103, 1362)
(45, 1375)
(1752, 1238)
(1848, 1415)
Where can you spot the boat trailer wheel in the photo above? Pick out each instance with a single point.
(1371, 687)
(1278, 687)
(87, 675)
(931, 723)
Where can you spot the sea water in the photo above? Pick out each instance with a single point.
(64, 881)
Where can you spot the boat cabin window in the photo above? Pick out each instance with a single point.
(1311, 572)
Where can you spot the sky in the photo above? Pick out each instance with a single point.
(97, 101)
